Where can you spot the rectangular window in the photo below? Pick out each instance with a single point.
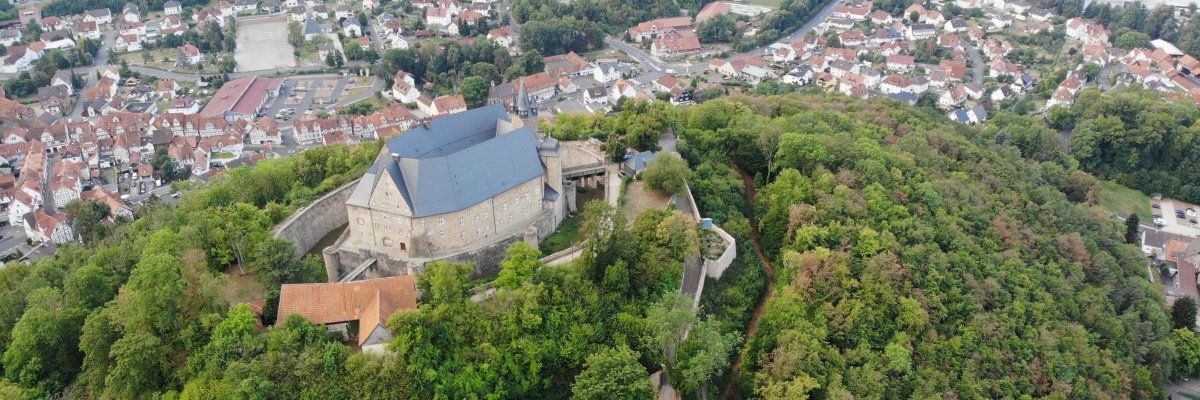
(462, 221)
(387, 218)
(442, 234)
(361, 221)
(441, 221)
(387, 228)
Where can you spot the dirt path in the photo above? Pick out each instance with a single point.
(751, 193)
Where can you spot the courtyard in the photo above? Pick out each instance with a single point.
(262, 44)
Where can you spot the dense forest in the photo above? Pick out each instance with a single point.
(915, 258)
(1138, 140)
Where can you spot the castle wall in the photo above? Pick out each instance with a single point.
(308, 225)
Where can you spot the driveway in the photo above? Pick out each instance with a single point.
(976, 62)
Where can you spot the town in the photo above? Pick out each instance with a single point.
(541, 198)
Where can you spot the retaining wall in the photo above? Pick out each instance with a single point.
(310, 224)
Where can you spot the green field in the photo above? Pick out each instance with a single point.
(766, 3)
(1119, 199)
(567, 234)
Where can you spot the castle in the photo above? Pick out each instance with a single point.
(458, 188)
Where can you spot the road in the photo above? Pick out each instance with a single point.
(89, 73)
(653, 68)
(976, 62)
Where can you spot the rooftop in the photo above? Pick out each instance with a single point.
(454, 163)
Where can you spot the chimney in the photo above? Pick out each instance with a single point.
(425, 123)
(395, 157)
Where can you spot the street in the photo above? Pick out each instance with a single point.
(653, 68)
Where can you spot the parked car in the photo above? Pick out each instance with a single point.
(1191, 212)
(1156, 205)
(1179, 214)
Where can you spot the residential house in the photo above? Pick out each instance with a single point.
(99, 16)
(88, 29)
(595, 95)
(568, 65)
(502, 36)
(184, 105)
(675, 43)
(351, 28)
(852, 38)
(131, 13)
(853, 10)
(921, 31)
(54, 99)
(366, 303)
(900, 63)
(606, 71)
(735, 66)
(43, 227)
(953, 97)
(566, 85)
(116, 207)
(799, 76)
(1086, 31)
(540, 86)
(651, 29)
(172, 7)
(245, 6)
(404, 88)
(19, 59)
(190, 55)
(10, 36)
(957, 25)
(444, 105)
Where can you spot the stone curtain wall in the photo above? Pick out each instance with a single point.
(308, 225)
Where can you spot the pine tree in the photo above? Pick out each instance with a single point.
(1131, 229)
(1183, 313)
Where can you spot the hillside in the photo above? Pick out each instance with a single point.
(919, 259)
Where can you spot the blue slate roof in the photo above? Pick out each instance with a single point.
(311, 27)
(639, 160)
(455, 163)
(980, 113)
(960, 115)
(906, 97)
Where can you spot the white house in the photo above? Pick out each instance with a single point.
(351, 28)
(404, 88)
(606, 71)
(172, 8)
(18, 59)
(184, 105)
(99, 16)
(190, 55)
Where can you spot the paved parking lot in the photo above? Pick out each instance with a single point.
(1173, 224)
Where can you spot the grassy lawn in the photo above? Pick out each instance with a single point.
(222, 155)
(361, 85)
(567, 234)
(164, 59)
(606, 53)
(1119, 199)
(766, 3)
